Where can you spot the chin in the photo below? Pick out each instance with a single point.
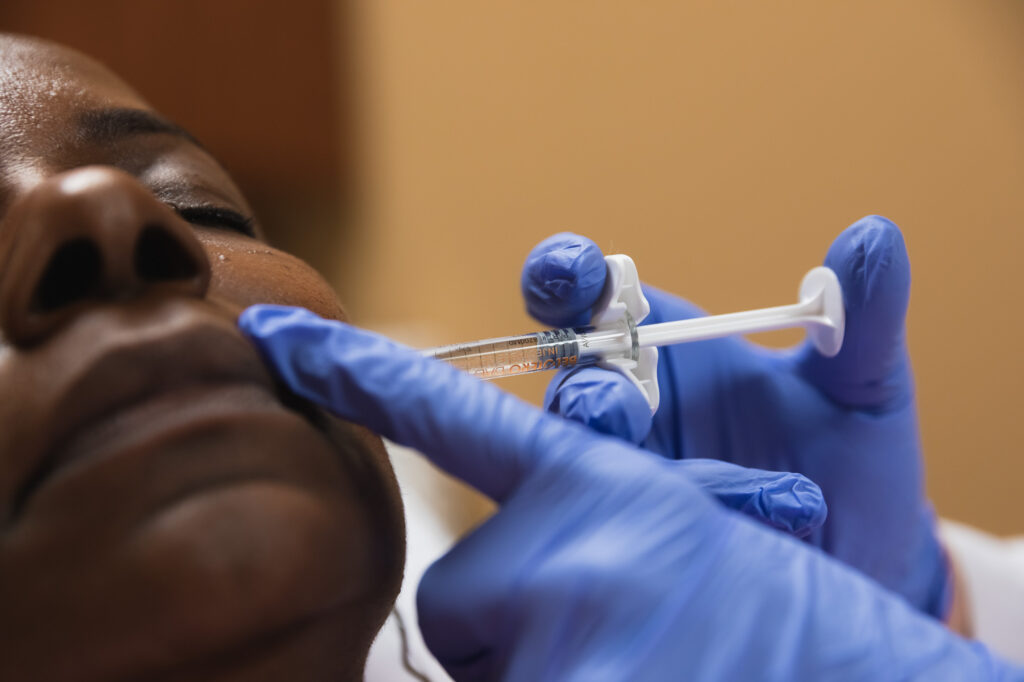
(264, 543)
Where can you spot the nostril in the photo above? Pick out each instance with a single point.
(161, 257)
(74, 273)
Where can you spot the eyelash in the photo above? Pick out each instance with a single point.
(214, 216)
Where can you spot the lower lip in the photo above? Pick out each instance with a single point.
(132, 430)
(131, 427)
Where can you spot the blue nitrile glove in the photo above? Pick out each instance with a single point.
(604, 561)
(848, 423)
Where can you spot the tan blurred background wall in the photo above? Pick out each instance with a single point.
(415, 152)
(722, 145)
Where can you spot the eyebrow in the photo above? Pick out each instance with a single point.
(109, 125)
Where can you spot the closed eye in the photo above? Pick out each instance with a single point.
(215, 216)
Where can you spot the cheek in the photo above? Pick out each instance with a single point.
(245, 272)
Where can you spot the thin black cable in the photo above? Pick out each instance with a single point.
(406, 662)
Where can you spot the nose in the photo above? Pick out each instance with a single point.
(88, 236)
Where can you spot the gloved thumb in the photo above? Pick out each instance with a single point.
(872, 370)
(782, 500)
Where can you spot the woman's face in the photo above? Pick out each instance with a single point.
(166, 510)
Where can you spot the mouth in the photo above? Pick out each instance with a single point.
(152, 378)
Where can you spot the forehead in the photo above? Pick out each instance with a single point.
(35, 74)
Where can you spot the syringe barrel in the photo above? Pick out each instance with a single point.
(512, 355)
(554, 349)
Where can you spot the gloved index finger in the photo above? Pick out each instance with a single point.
(488, 438)
(562, 279)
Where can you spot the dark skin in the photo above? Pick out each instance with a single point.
(167, 512)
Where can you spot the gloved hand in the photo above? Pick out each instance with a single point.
(848, 423)
(604, 561)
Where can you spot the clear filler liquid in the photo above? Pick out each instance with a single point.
(537, 352)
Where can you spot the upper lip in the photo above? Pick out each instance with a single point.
(183, 343)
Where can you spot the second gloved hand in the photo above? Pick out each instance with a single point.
(848, 423)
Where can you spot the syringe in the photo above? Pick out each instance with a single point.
(820, 311)
(512, 355)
